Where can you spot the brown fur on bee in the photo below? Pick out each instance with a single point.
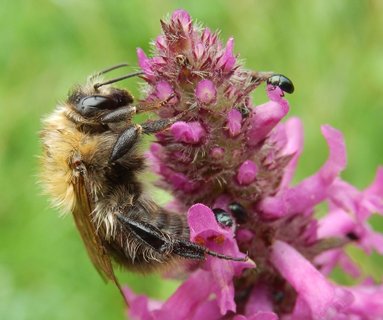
(90, 166)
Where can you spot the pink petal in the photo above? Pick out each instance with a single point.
(183, 303)
(164, 90)
(344, 195)
(199, 50)
(188, 132)
(377, 185)
(234, 122)
(335, 224)
(207, 310)
(184, 19)
(203, 225)
(323, 298)
(373, 196)
(155, 156)
(259, 300)
(313, 189)
(275, 93)
(206, 92)
(264, 118)
(222, 202)
(145, 64)
(260, 315)
(161, 43)
(247, 173)
(217, 152)
(180, 181)
(227, 61)
(371, 240)
(328, 260)
(367, 302)
(294, 146)
(140, 307)
(337, 158)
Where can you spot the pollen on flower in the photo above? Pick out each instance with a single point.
(219, 239)
(200, 240)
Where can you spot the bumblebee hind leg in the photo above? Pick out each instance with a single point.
(163, 243)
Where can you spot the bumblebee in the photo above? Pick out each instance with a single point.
(91, 165)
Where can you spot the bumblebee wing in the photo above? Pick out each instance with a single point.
(93, 243)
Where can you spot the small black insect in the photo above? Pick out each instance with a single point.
(238, 211)
(281, 81)
(223, 217)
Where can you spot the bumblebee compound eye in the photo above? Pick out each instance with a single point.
(281, 81)
(90, 105)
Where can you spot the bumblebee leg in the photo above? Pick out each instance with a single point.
(145, 107)
(155, 126)
(129, 136)
(125, 142)
(165, 244)
(121, 114)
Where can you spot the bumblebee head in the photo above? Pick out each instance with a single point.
(96, 98)
(92, 104)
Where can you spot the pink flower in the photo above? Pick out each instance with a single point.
(247, 172)
(239, 160)
(206, 92)
(190, 133)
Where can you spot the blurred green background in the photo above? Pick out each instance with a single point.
(333, 50)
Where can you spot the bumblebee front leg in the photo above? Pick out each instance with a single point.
(129, 136)
(121, 114)
(150, 106)
(127, 112)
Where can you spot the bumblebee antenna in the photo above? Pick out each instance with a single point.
(117, 66)
(222, 256)
(130, 75)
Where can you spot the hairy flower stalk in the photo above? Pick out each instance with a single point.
(227, 155)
